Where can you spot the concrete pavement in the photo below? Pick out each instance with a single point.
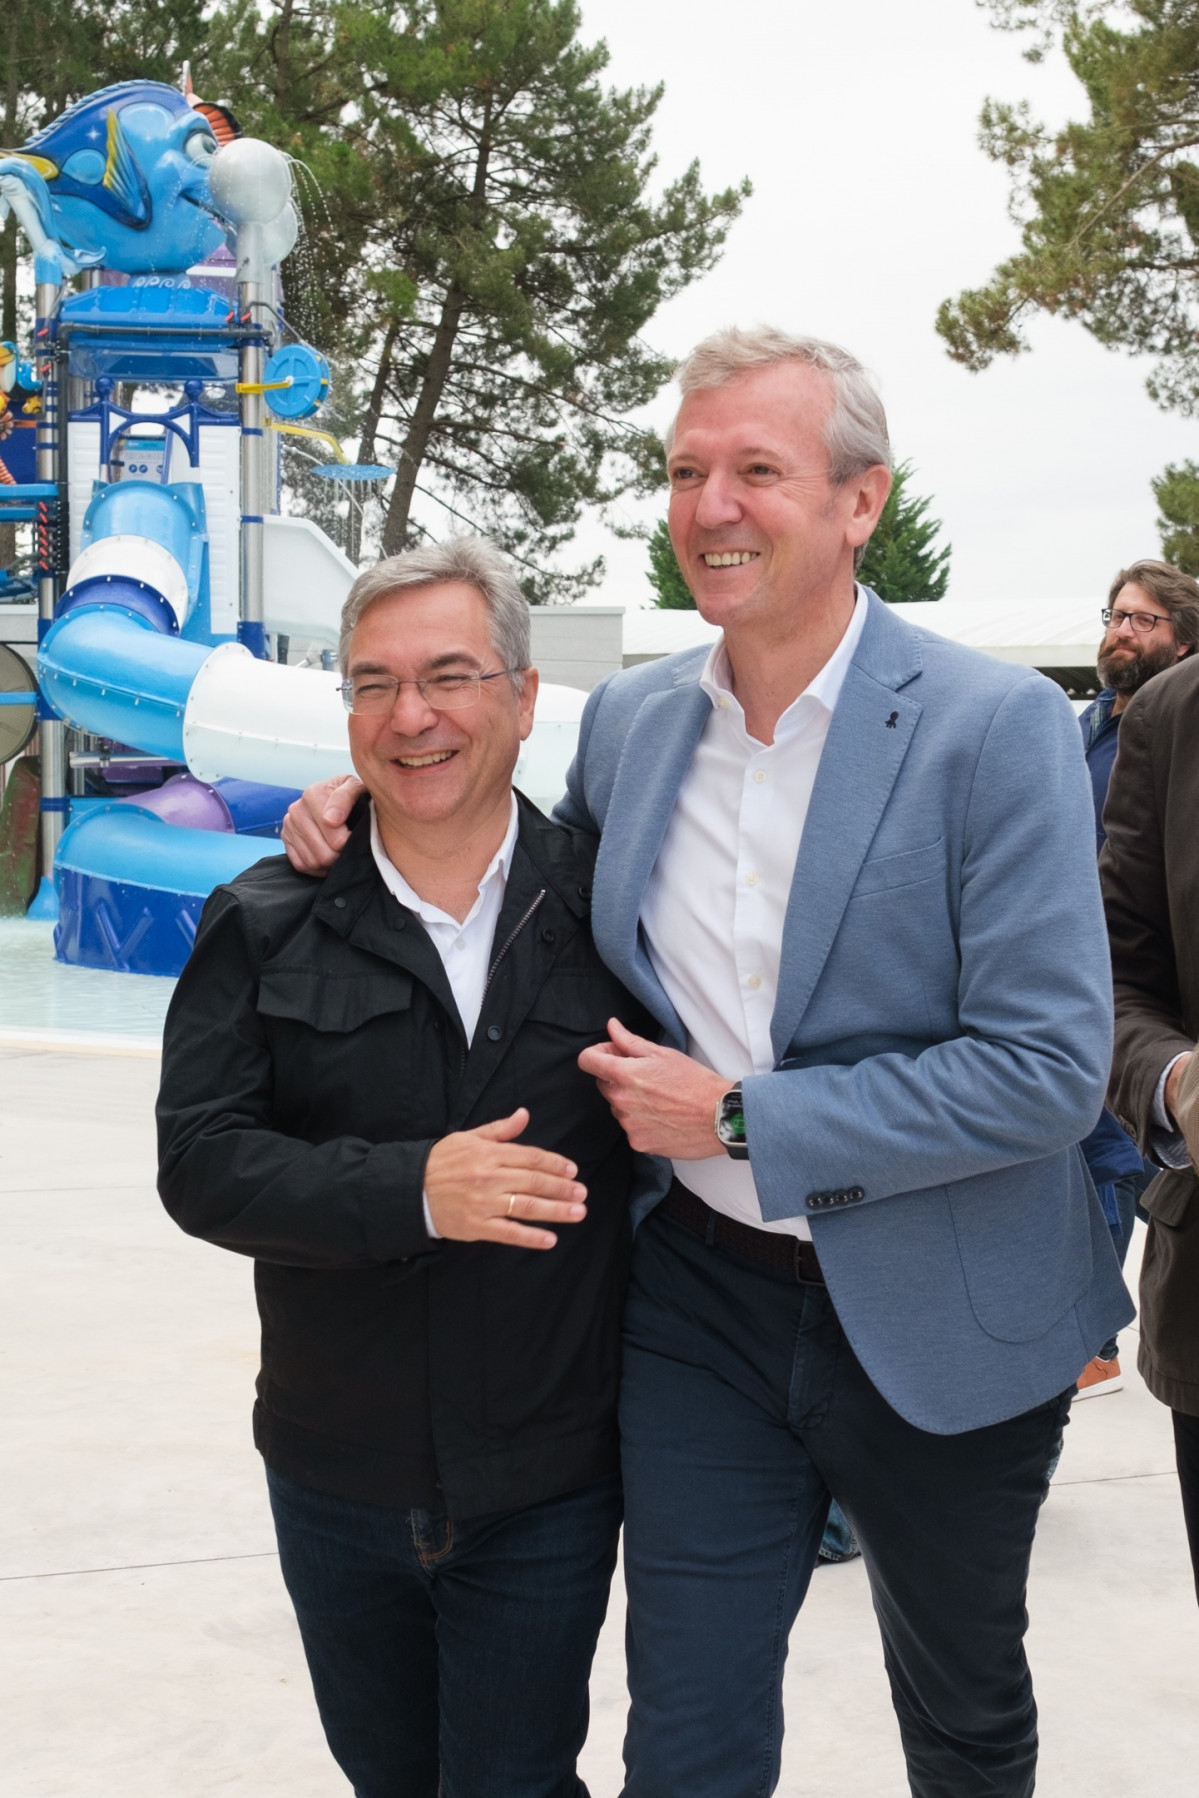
(147, 1646)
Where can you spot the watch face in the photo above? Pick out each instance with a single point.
(732, 1119)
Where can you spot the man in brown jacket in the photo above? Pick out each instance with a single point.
(1150, 873)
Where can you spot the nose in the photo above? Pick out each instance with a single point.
(411, 713)
(718, 504)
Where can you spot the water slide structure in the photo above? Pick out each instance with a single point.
(170, 587)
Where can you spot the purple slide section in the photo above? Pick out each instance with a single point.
(185, 801)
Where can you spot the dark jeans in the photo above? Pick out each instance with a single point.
(1186, 1454)
(450, 1658)
(743, 1406)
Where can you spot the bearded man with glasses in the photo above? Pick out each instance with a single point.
(1151, 621)
(371, 1085)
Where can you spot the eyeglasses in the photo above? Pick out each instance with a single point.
(369, 694)
(1140, 621)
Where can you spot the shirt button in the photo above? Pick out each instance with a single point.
(751, 879)
(458, 943)
(722, 705)
(494, 1033)
(759, 775)
(754, 982)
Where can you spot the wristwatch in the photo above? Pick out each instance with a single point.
(730, 1123)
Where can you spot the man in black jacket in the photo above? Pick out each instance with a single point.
(371, 1085)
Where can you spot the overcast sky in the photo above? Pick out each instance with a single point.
(872, 202)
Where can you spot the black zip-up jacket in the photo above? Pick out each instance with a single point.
(313, 1055)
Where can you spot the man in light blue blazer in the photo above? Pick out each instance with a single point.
(847, 865)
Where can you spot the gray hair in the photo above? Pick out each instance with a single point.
(855, 431)
(476, 562)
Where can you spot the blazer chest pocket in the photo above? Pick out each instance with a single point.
(333, 1003)
(883, 873)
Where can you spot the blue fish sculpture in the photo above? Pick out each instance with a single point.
(120, 180)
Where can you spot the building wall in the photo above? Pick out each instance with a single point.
(576, 646)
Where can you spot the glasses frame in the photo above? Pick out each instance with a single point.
(1136, 619)
(473, 679)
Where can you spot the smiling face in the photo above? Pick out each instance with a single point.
(429, 770)
(759, 530)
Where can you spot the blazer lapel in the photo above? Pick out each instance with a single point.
(657, 750)
(863, 753)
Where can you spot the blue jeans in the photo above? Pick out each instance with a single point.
(450, 1658)
(743, 1406)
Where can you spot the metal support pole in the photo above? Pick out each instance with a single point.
(51, 731)
(255, 471)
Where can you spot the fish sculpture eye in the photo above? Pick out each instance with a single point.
(200, 147)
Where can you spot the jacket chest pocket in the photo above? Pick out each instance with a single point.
(335, 1004)
(577, 1006)
(345, 1056)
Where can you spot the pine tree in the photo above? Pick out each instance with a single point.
(902, 560)
(1176, 491)
(665, 575)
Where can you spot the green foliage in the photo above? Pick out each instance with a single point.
(519, 209)
(902, 561)
(1176, 491)
(665, 575)
(485, 239)
(1109, 206)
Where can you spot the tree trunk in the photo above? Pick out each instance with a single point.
(8, 237)
(441, 356)
(420, 429)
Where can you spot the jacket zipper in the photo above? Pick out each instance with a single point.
(510, 939)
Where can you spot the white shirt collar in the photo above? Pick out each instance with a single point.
(824, 687)
(500, 865)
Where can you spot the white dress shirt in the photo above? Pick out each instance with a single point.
(464, 948)
(714, 908)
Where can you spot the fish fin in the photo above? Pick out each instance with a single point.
(224, 126)
(122, 176)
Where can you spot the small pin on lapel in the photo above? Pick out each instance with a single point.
(893, 720)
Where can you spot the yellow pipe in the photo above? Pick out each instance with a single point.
(262, 386)
(307, 431)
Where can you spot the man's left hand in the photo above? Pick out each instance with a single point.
(664, 1101)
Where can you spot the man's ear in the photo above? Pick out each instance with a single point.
(869, 491)
(527, 701)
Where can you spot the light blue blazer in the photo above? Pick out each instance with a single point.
(943, 1024)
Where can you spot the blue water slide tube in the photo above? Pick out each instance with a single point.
(131, 886)
(108, 666)
(130, 882)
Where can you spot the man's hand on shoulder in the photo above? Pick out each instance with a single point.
(314, 830)
(480, 1183)
(664, 1102)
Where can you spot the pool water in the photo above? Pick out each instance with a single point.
(41, 995)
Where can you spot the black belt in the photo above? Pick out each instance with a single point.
(777, 1249)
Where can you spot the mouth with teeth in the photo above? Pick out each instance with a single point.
(730, 558)
(431, 760)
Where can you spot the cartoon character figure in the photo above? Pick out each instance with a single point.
(121, 179)
(19, 407)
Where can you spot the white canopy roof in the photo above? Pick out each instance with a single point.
(1041, 633)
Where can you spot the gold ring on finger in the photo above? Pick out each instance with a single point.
(511, 1202)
